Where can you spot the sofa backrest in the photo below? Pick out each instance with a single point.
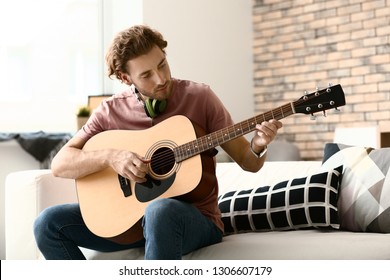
(231, 177)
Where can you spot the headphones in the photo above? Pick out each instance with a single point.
(153, 107)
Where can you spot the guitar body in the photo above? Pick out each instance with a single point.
(113, 209)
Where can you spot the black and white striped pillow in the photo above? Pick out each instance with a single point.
(308, 202)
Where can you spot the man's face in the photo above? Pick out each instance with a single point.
(150, 74)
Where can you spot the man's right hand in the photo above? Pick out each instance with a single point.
(129, 165)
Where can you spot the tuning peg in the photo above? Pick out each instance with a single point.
(305, 95)
(312, 117)
(328, 89)
(337, 110)
(324, 113)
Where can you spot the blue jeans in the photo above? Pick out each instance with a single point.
(172, 228)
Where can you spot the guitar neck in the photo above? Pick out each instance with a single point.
(226, 134)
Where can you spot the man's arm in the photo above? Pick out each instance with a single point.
(72, 162)
(246, 154)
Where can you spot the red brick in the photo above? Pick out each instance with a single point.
(381, 115)
(299, 45)
(365, 107)
(370, 5)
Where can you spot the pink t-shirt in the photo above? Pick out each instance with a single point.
(194, 100)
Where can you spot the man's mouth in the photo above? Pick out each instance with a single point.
(162, 87)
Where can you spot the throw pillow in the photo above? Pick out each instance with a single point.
(364, 195)
(308, 202)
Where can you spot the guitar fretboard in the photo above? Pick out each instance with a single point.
(224, 135)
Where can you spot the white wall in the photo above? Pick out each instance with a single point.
(117, 16)
(209, 42)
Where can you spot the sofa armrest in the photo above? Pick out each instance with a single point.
(27, 193)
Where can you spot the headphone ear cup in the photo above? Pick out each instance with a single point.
(149, 108)
(154, 107)
(159, 106)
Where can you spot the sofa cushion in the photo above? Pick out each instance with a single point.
(364, 196)
(306, 202)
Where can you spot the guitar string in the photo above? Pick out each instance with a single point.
(168, 158)
(187, 150)
(202, 144)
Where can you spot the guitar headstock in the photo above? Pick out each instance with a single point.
(331, 97)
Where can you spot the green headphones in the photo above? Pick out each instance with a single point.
(153, 107)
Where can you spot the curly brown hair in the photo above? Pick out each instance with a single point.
(131, 43)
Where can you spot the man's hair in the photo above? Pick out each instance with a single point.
(129, 44)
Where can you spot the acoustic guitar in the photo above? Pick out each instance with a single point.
(181, 165)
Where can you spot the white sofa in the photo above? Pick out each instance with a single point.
(16, 156)
(13, 158)
(28, 192)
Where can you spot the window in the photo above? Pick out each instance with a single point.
(51, 59)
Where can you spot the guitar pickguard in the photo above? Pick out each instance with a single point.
(153, 188)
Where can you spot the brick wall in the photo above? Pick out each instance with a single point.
(301, 45)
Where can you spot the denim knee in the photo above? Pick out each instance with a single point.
(161, 211)
(159, 207)
(50, 221)
(41, 226)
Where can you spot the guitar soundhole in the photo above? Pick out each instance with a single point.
(163, 160)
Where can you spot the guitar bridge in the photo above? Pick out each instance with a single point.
(125, 185)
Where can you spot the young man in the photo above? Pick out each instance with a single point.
(171, 227)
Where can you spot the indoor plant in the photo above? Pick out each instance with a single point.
(82, 116)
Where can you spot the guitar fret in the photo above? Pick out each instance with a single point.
(190, 148)
(253, 123)
(226, 134)
(238, 130)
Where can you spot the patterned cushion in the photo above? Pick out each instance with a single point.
(293, 204)
(364, 196)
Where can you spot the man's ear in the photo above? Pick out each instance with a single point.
(126, 79)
